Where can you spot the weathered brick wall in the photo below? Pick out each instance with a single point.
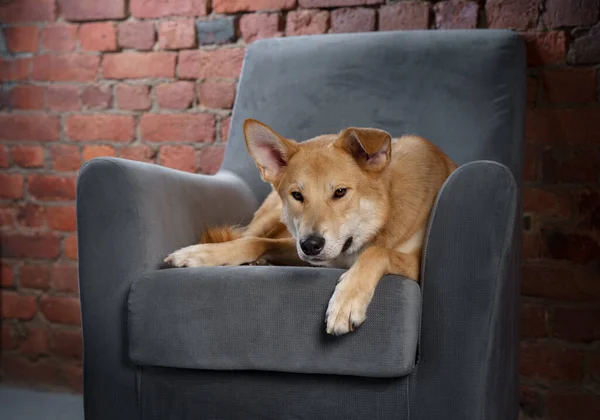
(155, 80)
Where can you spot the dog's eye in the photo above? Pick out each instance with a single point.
(340, 192)
(297, 196)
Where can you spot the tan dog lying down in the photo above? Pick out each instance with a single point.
(358, 200)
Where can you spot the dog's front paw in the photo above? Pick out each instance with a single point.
(347, 307)
(191, 256)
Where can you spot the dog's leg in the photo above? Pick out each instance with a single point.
(240, 251)
(348, 305)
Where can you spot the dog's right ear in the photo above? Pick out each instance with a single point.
(270, 151)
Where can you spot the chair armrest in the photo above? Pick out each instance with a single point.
(130, 215)
(471, 283)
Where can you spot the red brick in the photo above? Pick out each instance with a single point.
(336, 3)
(574, 166)
(560, 13)
(545, 48)
(34, 277)
(8, 339)
(30, 246)
(585, 48)
(570, 85)
(456, 14)
(62, 310)
(211, 158)
(511, 14)
(73, 374)
(71, 247)
(575, 247)
(574, 324)
(133, 97)
(353, 20)
(14, 70)
(544, 361)
(131, 65)
(97, 97)
(63, 98)
(7, 217)
(587, 205)
(4, 162)
(60, 37)
(177, 95)
(563, 126)
(547, 203)
(148, 9)
(255, 26)
(20, 370)
(91, 152)
(66, 67)
(7, 277)
(51, 187)
(225, 128)
(64, 278)
(36, 342)
(594, 364)
(532, 90)
(100, 127)
(100, 36)
(560, 283)
(12, 185)
(27, 11)
(61, 218)
(137, 35)
(67, 344)
(533, 321)
(178, 127)
(178, 157)
(27, 97)
(82, 10)
(17, 306)
(224, 62)
(38, 127)
(569, 406)
(307, 22)
(216, 94)
(28, 156)
(20, 39)
(140, 153)
(176, 34)
(404, 15)
(531, 403)
(31, 215)
(233, 6)
(65, 158)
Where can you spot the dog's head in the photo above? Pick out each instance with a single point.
(330, 186)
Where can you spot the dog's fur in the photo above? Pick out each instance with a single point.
(367, 195)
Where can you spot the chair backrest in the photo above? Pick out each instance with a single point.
(463, 90)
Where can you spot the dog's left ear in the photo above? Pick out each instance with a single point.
(370, 147)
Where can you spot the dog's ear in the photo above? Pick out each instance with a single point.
(270, 151)
(370, 147)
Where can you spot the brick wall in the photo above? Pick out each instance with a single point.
(155, 80)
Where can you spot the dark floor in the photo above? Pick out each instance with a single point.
(25, 404)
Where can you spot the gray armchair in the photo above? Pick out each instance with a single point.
(249, 342)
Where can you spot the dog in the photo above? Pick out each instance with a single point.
(357, 200)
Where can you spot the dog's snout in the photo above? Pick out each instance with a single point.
(312, 244)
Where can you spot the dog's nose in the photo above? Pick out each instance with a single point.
(312, 244)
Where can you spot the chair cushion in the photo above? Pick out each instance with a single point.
(268, 318)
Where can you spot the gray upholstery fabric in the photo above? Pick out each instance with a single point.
(465, 91)
(179, 394)
(469, 339)
(129, 216)
(268, 318)
(460, 89)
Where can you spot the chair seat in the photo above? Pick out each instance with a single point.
(269, 319)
